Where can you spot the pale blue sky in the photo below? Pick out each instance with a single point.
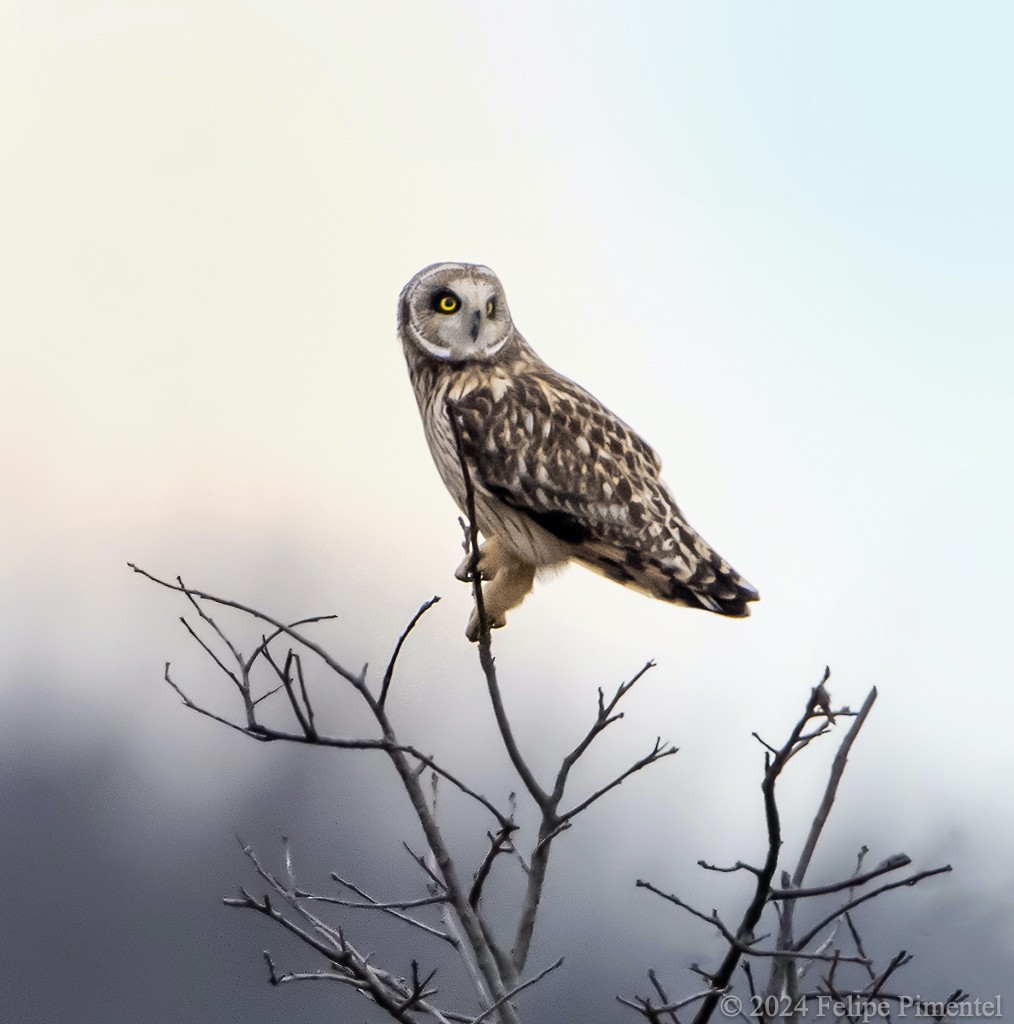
(776, 238)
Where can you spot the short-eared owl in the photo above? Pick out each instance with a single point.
(555, 474)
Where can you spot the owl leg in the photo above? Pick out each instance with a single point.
(509, 581)
(488, 562)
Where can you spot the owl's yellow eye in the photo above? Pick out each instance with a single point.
(490, 308)
(446, 302)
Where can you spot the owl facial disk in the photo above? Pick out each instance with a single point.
(455, 312)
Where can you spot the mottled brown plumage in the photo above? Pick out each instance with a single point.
(556, 475)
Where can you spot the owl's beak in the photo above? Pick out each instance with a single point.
(476, 324)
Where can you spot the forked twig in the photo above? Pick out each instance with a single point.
(790, 956)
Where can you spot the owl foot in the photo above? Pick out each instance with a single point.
(491, 559)
(472, 629)
(487, 569)
(510, 580)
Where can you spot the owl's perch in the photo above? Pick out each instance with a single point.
(508, 581)
(508, 577)
(496, 971)
(466, 924)
(473, 550)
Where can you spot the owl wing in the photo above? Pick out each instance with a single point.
(548, 449)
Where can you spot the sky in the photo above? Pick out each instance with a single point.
(774, 238)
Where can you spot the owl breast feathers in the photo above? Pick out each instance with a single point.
(556, 475)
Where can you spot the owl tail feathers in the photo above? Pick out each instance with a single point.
(730, 596)
(713, 586)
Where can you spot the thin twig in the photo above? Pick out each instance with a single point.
(538, 794)
(498, 844)
(192, 593)
(655, 1012)
(393, 909)
(898, 960)
(193, 706)
(738, 866)
(657, 753)
(604, 718)
(899, 860)
(831, 790)
(494, 975)
(775, 761)
(516, 990)
(734, 941)
(389, 673)
(909, 881)
(278, 632)
(214, 657)
(670, 1010)
(192, 598)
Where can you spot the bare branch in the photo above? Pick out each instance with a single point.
(368, 903)
(670, 1010)
(738, 866)
(389, 673)
(472, 529)
(909, 881)
(211, 654)
(899, 860)
(264, 733)
(655, 1013)
(737, 943)
(388, 992)
(393, 909)
(545, 840)
(192, 593)
(192, 598)
(898, 960)
(487, 1013)
(603, 719)
(495, 974)
(775, 762)
(748, 971)
(441, 1016)
(527, 776)
(657, 753)
(498, 972)
(269, 693)
(421, 861)
(284, 673)
(831, 791)
(204, 711)
(503, 820)
(298, 662)
(498, 844)
(767, 746)
(279, 632)
(538, 794)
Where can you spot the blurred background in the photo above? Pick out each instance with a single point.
(775, 238)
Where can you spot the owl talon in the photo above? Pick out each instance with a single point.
(472, 629)
(487, 569)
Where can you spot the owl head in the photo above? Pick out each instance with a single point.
(456, 313)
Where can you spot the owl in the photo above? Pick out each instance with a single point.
(556, 476)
